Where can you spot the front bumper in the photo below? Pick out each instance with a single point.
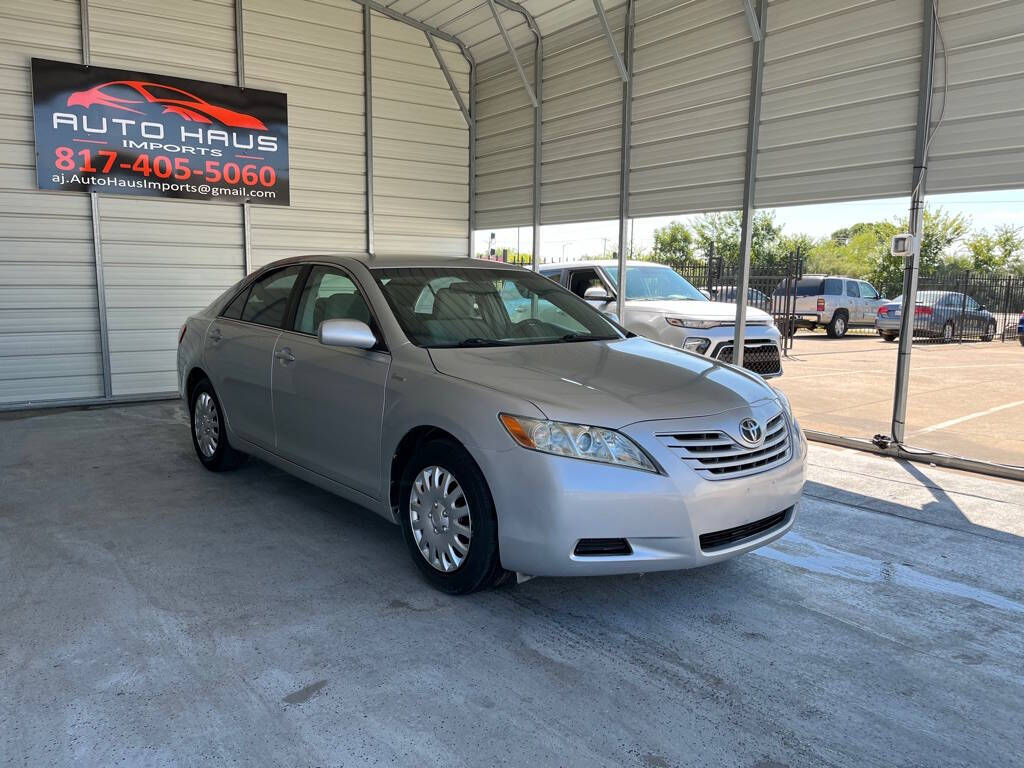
(762, 352)
(547, 504)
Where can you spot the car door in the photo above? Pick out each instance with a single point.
(854, 303)
(239, 350)
(329, 401)
(872, 301)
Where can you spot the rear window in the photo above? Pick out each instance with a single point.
(833, 286)
(805, 286)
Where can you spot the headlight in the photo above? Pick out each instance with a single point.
(771, 321)
(681, 322)
(577, 441)
(697, 344)
(786, 406)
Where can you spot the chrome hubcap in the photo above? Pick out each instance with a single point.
(440, 519)
(206, 423)
(840, 326)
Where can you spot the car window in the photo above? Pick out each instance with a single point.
(484, 307)
(832, 286)
(329, 294)
(972, 305)
(581, 279)
(805, 286)
(852, 289)
(655, 283)
(552, 274)
(234, 309)
(867, 291)
(268, 297)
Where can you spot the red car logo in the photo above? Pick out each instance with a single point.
(174, 100)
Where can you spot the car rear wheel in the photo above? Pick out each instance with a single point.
(209, 437)
(889, 336)
(990, 332)
(836, 328)
(448, 519)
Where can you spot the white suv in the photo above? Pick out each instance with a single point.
(662, 305)
(835, 302)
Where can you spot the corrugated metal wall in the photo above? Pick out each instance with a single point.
(690, 94)
(163, 259)
(420, 144)
(504, 143)
(840, 100)
(49, 327)
(981, 142)
(313, 52)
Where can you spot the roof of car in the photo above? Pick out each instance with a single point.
(601, 263)
(379, 261)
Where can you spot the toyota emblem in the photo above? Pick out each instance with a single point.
(750, 431)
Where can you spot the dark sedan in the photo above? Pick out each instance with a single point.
(945, 315)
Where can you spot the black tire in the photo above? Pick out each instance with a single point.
(223, 457)
(890, 336)
(838, 325)
(990, 332)
(950, 337)
(1021, 340)
(481, 566)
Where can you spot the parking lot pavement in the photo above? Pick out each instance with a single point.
(965, 399)
(153, 613)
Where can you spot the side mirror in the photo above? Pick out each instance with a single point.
(346, 333)
(596, 293)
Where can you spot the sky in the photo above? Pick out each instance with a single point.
(567, 242)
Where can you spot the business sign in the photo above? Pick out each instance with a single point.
(111, 130)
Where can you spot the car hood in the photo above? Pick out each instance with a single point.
(607, 383)
(699, 310)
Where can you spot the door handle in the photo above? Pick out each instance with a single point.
(285, 355)
(215, 335)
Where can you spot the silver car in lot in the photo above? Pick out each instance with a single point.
(545, 442)
(944, 315)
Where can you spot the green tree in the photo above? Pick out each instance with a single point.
(768, 249)
(673, 245)
(1000, 251)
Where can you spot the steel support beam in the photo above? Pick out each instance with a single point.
(624, 163)
(756, 26)
(368, 110)
(913, 261)
(97, 236)
(538, 70)
(240, 73)
(749, 187)
(512, 50)
(599, 8)
(448, 78)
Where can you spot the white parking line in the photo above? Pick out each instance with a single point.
(968, 417)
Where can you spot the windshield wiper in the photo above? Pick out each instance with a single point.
(586, 337)
(476, 341)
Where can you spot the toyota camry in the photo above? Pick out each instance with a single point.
(503, 423)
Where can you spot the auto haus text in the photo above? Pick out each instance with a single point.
(144, 135)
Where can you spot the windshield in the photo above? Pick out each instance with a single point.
(654, 283)
(459, 307)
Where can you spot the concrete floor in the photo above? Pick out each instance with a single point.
(965, 399)
(152, 613)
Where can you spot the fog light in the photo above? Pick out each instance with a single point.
(698, 345)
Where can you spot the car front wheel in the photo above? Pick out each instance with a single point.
(990, 332)
(448, 519)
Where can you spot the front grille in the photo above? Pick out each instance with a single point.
(730, 536)
(599, 547)
(717, 456)
(760, 358)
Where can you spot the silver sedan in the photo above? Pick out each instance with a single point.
(506, 425)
